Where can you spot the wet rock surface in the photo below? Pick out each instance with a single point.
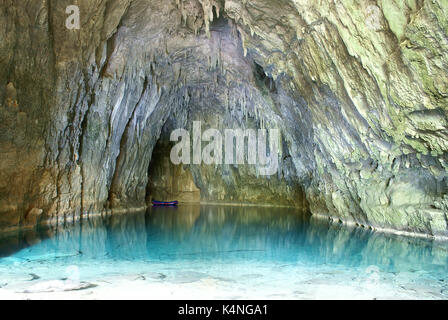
(358, 90)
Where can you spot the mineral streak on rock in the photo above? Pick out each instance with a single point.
(11, 96)
(359, 90)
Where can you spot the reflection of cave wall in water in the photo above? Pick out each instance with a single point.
(194, 231)
(167, 181)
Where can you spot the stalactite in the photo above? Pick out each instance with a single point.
(176, 71)
(243, 40)
(207, 7)
(280, 144)
(227, 100)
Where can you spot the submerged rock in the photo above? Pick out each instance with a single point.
(59, 286)
(190, 276)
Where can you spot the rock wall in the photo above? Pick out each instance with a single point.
(357, 88)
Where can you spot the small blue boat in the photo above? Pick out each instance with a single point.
(165, 203)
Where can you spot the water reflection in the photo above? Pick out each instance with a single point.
(216, 232)
(226, 234)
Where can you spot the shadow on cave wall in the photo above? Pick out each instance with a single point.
(167, 181)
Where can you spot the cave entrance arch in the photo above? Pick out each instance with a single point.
(167, 181)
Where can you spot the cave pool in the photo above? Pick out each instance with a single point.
(219, 252)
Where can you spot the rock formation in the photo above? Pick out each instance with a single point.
(11, 96)
(359, 90)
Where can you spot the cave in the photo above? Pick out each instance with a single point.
(325, 121)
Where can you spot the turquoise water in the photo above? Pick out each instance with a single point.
(214, 252)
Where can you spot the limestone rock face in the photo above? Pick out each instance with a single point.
(359, 90)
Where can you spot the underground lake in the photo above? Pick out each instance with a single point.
(220, 252)
(224, 149)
